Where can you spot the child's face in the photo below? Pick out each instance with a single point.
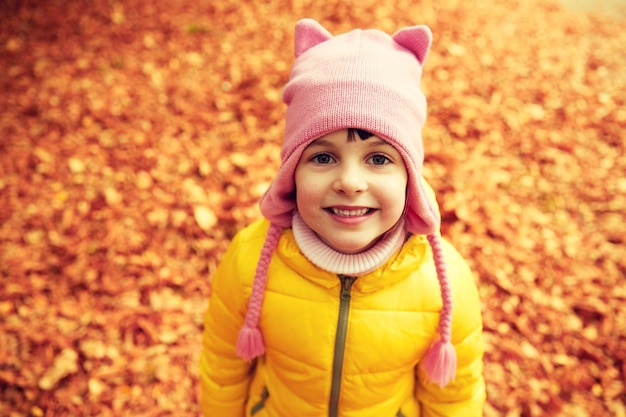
(350, 192)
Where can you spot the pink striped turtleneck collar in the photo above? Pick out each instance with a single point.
(337, 262)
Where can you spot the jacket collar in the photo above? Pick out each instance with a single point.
(399, 265)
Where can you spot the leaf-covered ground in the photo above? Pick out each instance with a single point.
(136, 137)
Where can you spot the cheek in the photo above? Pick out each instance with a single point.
(310, 192)
(395, 194)
(303, 189)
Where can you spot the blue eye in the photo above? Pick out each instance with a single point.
(322, 159)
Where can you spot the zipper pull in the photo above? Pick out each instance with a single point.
(346, 286)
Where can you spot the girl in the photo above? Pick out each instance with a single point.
(340, 301)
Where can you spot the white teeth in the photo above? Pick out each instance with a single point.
(350, 213)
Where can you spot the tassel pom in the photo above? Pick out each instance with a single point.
(440, 363)
(250, 343)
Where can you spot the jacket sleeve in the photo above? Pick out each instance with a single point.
(224, 376)
(465, 396)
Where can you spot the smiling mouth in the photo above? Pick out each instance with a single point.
(349, 213)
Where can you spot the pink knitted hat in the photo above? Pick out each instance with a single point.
(368, 80)
(362, 79)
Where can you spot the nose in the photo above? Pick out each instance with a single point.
(351, 179)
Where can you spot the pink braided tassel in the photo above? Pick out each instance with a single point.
(440, 363)
(250, 343)
(440, 360)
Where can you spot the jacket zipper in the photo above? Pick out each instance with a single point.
(340, 343)
(261, 404)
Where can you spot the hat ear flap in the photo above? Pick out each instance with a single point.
(416, 39)
(309, 33)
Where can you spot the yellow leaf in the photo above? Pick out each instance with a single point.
(205, 218)
(64, 364)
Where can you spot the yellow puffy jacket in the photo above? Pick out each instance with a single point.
(339, 346)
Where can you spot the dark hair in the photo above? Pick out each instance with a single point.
(363, 134)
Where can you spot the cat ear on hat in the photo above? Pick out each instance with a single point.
(309, 33)
(416, 39)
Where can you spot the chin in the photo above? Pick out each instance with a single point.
(349, 247)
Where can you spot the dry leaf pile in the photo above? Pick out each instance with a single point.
(137, 137)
